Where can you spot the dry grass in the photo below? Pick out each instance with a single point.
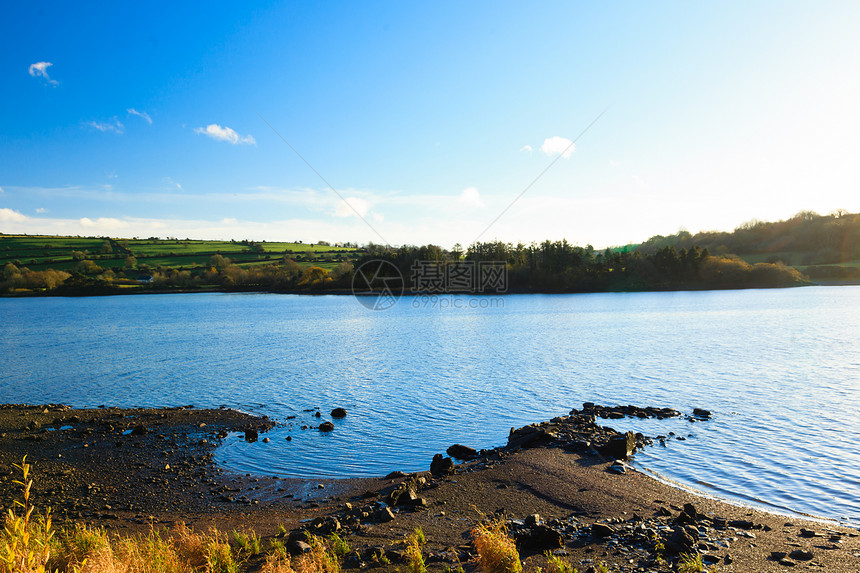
(320, 559)
(497, 552)
(555, 564)
(28, 544)
(414, 555)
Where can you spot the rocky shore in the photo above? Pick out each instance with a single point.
(563, 486)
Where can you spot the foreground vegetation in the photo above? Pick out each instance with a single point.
(29, 543)
(756, 254)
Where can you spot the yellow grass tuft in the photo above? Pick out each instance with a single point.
(414, 556)
(497, 552)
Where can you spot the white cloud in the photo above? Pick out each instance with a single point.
(558, 145)
(471, 198)
(229, 221)
(173, 183)
(613, 163)
(103, 223)
(114, 125)
(41, 210)
(1, 190)
(10, 216)
(527, 148)
(219, 133)
(40, 70)
(350, 206)
(140, 114)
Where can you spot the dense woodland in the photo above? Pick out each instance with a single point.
(756, 254)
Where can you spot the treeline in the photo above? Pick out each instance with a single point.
(805, 239)
(222, 274)
(558, 266)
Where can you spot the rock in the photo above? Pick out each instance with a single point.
(540, 537)
(533, 520)
(383, 515)
(299, 547)
(688, 515)
(326, 427)
(338, 413)
(441, 466)
(395, 475)
(678, 541)
(139, 431)
(251, 435)
(530, 436)
(266, 440)
(807, 533)
(602, 530)
(801, 555)
(461, 452)
(620, 447)
(700, 413)
(778, 555)
(317, 414)
(617, 468)
(741, 524)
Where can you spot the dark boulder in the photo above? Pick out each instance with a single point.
(679, 540)
(602, 530)
(251, 435)
(383, 515)
(540, 537)
(620, 447)
(801, 555)
(441, 466)
(461, 452)
(531, 436)
(338, 413)
(326, 427)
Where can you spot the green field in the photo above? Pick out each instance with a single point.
(64, 253)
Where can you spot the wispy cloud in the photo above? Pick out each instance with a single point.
(141, 114)
(470, 197)
(527, 148)
(40, 70)
(113, 125)
(219, 133)
(103, 223)
(41, 210)
(173, 183)
(558, 146)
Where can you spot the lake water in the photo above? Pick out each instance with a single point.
(780, 370)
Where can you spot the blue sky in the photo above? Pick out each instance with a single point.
(429, 119)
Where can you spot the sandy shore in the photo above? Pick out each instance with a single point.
(127, 469)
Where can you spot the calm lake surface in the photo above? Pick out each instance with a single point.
(780, 370)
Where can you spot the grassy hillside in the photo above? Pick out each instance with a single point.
(41, 252)
(823, 247)
(82, 264)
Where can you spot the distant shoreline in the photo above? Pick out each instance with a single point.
(112, 291)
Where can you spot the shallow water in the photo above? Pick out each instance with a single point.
(778, 368)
